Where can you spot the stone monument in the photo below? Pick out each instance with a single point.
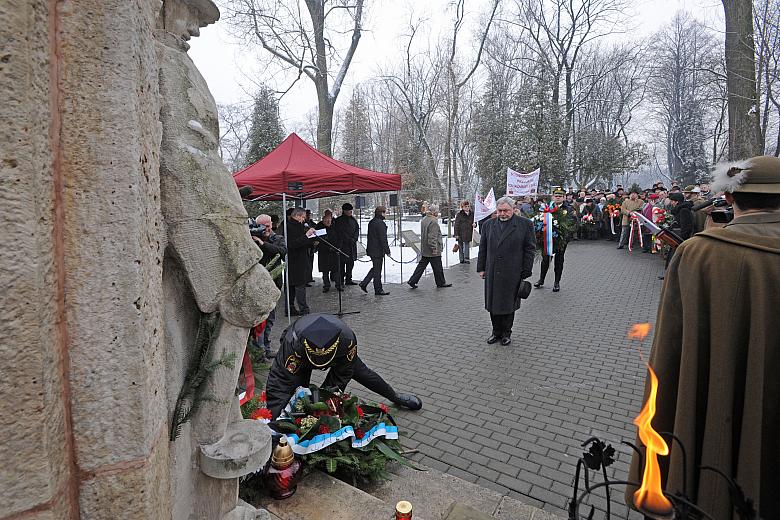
(120, 231)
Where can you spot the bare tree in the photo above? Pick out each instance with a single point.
(305, 44)
(744, 110)
(766, 19)
(235, 121)
(454, 85)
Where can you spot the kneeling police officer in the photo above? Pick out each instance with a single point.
(323, 342)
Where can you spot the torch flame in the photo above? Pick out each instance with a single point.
(639, 331)
(649, 498)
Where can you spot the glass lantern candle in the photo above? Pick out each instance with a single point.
(281, 478)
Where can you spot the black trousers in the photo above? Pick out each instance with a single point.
(345, 269)
(557, 267)
(375, 273)
(297, 293)
(330, 276)
(502, 324)
(438, 270)
(371, 380)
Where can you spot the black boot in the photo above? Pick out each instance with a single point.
(556, 287)
(409, 401)
(538, 284)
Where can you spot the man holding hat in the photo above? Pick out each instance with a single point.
(347, 231)
(323, 342)
(716, 350)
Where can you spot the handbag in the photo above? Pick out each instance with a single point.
(455, 248)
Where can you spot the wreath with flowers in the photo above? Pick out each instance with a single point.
(563, 225)
(351, 439)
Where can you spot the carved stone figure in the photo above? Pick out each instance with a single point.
(211, 265)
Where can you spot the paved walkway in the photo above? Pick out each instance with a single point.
(512, 418)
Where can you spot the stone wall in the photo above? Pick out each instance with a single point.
(83, 418)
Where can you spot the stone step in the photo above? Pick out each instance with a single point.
(439, 496)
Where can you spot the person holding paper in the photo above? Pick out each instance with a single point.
(298, 270)
(327, 256)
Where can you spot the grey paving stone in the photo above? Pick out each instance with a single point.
(569, 373)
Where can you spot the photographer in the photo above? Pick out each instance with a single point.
(715, 350)
(271, 245)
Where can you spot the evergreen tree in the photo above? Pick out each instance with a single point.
(266, 131)
(356, 148)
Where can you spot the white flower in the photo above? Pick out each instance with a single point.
(555, 222)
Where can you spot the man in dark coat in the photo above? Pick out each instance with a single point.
(464, 231)
(327, 256)
(716, 351)
(347, 232)
(323, 342)
(298, 270)
(506, 258)
(376, 248)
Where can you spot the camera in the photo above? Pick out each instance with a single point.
(724, 214)
(257, 230)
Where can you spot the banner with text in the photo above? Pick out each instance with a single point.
(484, 207)
(521, 184)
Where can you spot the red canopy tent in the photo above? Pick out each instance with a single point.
(297, 170)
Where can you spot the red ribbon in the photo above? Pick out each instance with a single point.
(249, 377)
(634, 222)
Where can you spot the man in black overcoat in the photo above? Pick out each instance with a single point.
(298, 269)
(347, 232)
(376, 248)
(506, 257)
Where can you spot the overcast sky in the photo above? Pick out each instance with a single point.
(231, 68)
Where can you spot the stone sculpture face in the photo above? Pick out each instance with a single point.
(184, 18)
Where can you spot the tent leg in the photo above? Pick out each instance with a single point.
(286, 278)
(400, 235)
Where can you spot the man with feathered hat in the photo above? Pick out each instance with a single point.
(716, 350)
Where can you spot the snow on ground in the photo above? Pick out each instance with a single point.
(394, 270)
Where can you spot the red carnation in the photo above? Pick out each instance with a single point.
(262, 413)
(298, 433)
(383, 407)
(359, 433)
(298, 421)
(359, 411)
(324, 429)
(262, 396)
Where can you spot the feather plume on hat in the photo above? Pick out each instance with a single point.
(729, 176)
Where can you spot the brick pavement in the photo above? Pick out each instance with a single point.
(512, 418)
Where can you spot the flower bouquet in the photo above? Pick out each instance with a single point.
(562, 226)
(334, 431)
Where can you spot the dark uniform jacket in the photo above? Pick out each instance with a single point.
(683, 219)
(347, 232)
(296, 359)
(298, 245)
(716, 352)
(507, 257)
(464, 226)
(377, 238)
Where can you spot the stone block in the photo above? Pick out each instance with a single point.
(244, 449)
(463, 512)
(321, 497)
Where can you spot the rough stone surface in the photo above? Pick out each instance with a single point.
(244, 449)
(35, 469)
(463, 512)
(321, 497)
(512, 418)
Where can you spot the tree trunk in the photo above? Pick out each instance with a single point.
(744, 125)
(325, 126)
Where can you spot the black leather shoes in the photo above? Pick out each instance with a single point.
(325, 289)
(492, 339)
(445, 285)
(363, 288)
(412, 285)
(506, 340)
(408, 401)
(556, 287)
(382, 293)
(350, 283)
(538, 284)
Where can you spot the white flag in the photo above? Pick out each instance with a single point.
(521, 184)
(484, 207)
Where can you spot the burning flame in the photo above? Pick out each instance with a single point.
(649, 498)
(639, 331)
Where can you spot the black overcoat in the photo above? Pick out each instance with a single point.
(327, 257)
(347, 232)
(507, 258)
(377, 238)
(298, 245)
